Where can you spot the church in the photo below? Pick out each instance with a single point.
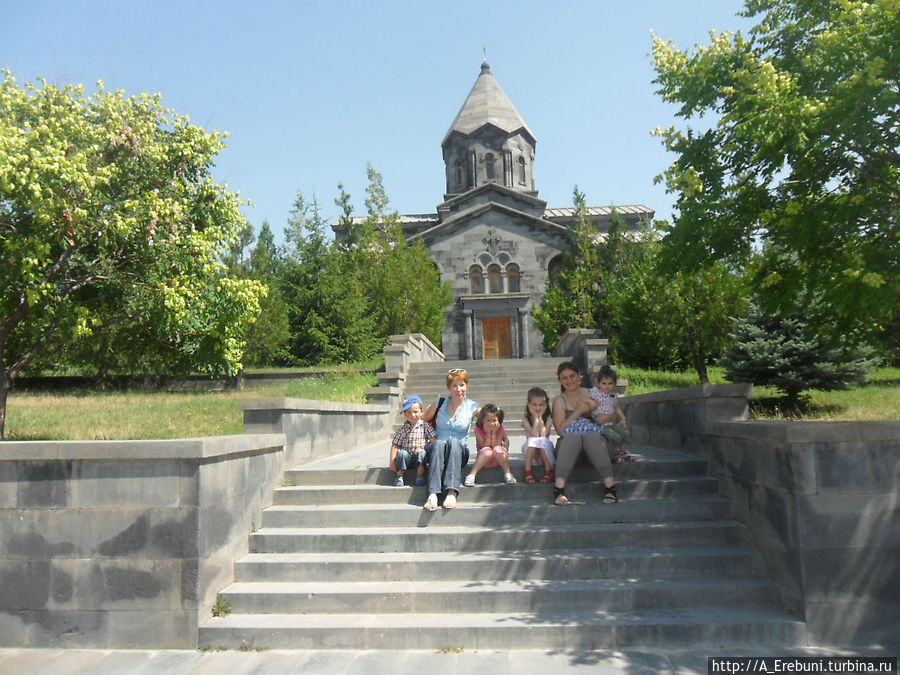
(492, 237)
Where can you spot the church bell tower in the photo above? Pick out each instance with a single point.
(488, 142)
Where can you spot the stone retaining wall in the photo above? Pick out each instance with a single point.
(127, 543)
(821, 501)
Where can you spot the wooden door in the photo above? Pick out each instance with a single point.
(495, 338)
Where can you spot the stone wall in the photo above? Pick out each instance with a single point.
(586, 349)
(821, 501)
(127, 543)
(401, 352)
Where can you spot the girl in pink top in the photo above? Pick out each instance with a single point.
(492, 442)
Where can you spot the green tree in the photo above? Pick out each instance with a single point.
(269, 336)
(328, 311)
(800, 159)
(784, 352)
(111, 225)
(571, 298)
(403, 285)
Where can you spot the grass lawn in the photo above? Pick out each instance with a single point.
(877, 399)
(92, 415)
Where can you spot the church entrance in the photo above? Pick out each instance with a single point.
(496, 341)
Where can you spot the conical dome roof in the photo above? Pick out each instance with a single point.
(487, 104)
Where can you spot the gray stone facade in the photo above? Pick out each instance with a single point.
(492, 238)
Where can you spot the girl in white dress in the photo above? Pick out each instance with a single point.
(537, 447)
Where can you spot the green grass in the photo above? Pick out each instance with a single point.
(92, 415)
(877, 399)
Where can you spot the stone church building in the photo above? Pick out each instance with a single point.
(492, 237)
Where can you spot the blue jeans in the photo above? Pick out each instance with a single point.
(408, 460)
(444, 463)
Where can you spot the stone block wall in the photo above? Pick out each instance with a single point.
(586, 349)
(124, 544)
(316, 429)
(821, 501)
(118, 544)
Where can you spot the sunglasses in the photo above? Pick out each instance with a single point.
(456, 370)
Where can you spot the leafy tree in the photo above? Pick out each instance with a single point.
(799, 161)
(784, 352)
(680, 319)
(112, 228)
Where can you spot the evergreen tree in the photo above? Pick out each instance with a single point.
(786, 353)
(403, 285)
(268, 338)
(328, 311)
(571, 299)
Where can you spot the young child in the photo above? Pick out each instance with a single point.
(609, 415)
(537, 446)
(492, 442)
(408, 445)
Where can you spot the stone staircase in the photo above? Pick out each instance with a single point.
(344, 560)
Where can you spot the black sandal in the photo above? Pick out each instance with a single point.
(559, 496)
(611, 494)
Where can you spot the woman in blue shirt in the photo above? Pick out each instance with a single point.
(449, 453)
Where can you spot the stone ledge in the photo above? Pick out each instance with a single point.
(308, 405)
(700, 391)
(184, 448)
(808, 432)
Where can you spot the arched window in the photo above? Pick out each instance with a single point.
(476, 280)
(495, 281)
(555, 268)
(489, 172)
(459, 172)
(521, 164)
(512, 278)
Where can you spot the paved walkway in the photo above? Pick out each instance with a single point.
(182, 662)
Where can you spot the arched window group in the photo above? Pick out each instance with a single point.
(494, 279)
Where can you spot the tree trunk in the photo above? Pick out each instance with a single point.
(4, 395)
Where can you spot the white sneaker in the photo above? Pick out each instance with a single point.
(450, 501)
(510, 479)
(470, 480)
(431, 502)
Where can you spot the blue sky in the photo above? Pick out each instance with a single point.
(312, 91)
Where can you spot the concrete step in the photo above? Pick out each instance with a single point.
(708, 562)
(533, 366)
(683, 465)
(512, 596)
(473, 538)
(489, 489)
(345, 560)
(498, 515)
(525, 630)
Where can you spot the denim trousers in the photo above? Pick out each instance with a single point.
(444, 463)
(408, 460)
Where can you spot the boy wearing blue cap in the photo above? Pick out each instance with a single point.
(408, 446)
